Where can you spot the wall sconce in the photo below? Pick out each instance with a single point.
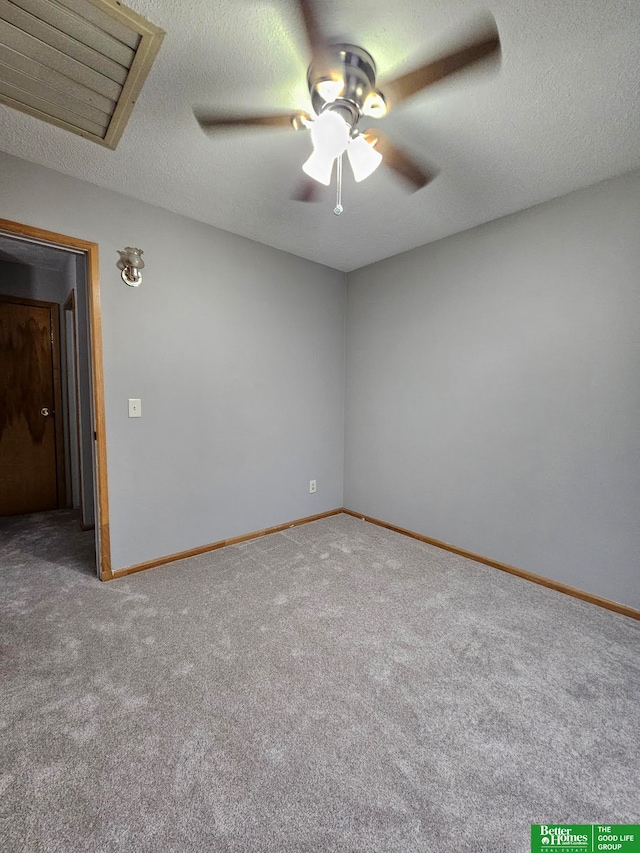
(130, 264)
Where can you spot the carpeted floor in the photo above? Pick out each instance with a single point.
(337, 687)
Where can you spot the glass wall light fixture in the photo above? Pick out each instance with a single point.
(130, 265)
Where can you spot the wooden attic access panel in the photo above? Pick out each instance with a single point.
(78, 64)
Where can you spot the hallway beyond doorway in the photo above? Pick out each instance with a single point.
(53, 538)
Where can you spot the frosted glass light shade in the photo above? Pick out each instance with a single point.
(133, 257)
(363, 157)
(319, 167)
(329, 90)
(330, 137)
(330, 134)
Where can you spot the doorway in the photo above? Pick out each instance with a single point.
(63, 343)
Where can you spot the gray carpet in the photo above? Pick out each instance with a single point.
(336, 687)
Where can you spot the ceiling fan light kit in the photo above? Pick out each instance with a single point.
(330, 137)
(343, 89)
(363, 157)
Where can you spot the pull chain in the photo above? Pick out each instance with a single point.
(339, 208)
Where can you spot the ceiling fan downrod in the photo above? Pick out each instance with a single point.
(345, 77)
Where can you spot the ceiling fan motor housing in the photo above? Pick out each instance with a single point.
(351, 66)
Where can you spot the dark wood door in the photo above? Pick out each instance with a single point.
(31, 463)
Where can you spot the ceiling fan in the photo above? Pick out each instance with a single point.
(343, 88)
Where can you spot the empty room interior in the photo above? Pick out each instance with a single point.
(319, 426)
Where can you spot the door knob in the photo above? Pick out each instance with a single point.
(44, 411)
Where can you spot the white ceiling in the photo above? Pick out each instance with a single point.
(562, 113)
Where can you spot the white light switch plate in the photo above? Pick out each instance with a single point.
(135, 408)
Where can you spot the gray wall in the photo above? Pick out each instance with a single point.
(32, 282)
(237, 352)
(493, 390)
(492, 381)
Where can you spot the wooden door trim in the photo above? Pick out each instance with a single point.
(97, 374)
(24, 300)
(54, 315)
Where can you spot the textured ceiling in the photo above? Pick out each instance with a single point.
(562, 113)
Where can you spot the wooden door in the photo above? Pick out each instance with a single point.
(31, 450)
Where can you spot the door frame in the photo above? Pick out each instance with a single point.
(70, 306)
(90, 250)
(56, 371)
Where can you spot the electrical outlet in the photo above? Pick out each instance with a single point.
(312, 487)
